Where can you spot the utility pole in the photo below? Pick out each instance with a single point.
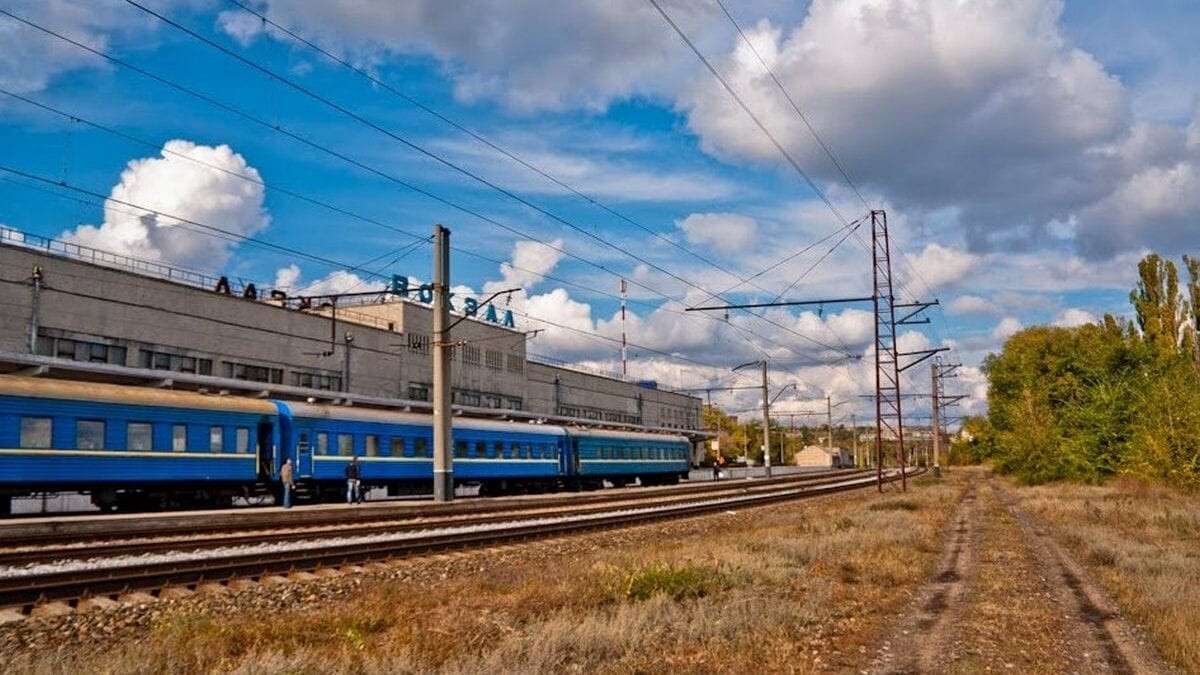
(624, 344)
(443, 439)
(935, 425)
(766, 421)
(829, 421)
(854, 438)
(35, 305)
(346, 363)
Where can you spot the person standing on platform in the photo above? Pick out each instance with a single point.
(288, 481)
(353, 482)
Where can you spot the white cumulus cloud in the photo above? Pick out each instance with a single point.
(171, 185)
(728, 233)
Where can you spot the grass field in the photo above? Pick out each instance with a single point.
(1142, 543)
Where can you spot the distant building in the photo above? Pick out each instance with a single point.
(813, 456)
(75, 312)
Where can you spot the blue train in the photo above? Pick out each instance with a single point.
(144, 449)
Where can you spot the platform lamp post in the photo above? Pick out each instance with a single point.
(766, 411)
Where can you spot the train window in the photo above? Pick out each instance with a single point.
(421, 447)
(372, 445)
(553, 451)
(397, 446)
(535, 451)
(322, 443)
(460, 449)
(498, 449)
(480, 449)
(35, 432)
(345, 444)
(242, 440)
(138, 437)
(89, 435)
(178, 437)
(216, 439)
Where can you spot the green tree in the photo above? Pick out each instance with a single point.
(1157, 303)
(1191, 344)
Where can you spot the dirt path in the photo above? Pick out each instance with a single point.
(1006, 598)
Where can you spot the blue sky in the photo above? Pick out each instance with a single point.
(1027, 154)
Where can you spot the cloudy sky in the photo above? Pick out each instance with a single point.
(1027, 153)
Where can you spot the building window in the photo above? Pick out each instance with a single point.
(418, 392)
(178, 438)
(513, 403)
(81, 350)
(470, 398)
(242, 371)
(372, 445)
(493, 359)
(216, 439)
(322, 381)
(418, 343)
(35, 432)
(243, 440)
(139, 437)
(345, 444)
(89, 435)
(516, 363)
(156, 360)
(471, 355)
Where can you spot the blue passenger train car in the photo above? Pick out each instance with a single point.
(140, 448)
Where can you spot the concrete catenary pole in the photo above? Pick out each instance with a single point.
(443, 440)
(854, 438)
(624, 344)
(829, 421)
(935, 425)
(766, 421)
(35, 305)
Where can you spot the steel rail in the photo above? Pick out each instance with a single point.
(191, 542)
(36, 531)
(72, 586)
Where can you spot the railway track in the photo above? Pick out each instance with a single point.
(78, 530)
(220, 564)
(69, 549)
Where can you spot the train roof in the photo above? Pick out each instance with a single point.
(72, 390)
(625, 435)
(341, 412)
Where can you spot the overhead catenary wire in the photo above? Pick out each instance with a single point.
(820, 141)
(370, 169)
(320, 259)
(480, 138)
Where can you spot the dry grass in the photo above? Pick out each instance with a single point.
(1143, 544)
(762, 590)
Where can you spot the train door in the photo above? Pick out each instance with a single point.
(562, 455)
(266, 439)
(305, 438)
(575, 456)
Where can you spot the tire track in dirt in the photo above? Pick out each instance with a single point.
(1124, 651)
(1005, 597)
(912, 646)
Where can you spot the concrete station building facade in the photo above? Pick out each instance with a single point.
(76, 312)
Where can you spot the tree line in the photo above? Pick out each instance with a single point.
(1089, 402)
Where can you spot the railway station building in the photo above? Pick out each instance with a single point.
(75, 312)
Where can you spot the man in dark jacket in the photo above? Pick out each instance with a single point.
(353, 482)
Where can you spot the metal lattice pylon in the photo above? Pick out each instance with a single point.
(888, 414)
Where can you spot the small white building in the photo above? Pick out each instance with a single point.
(820, 456)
